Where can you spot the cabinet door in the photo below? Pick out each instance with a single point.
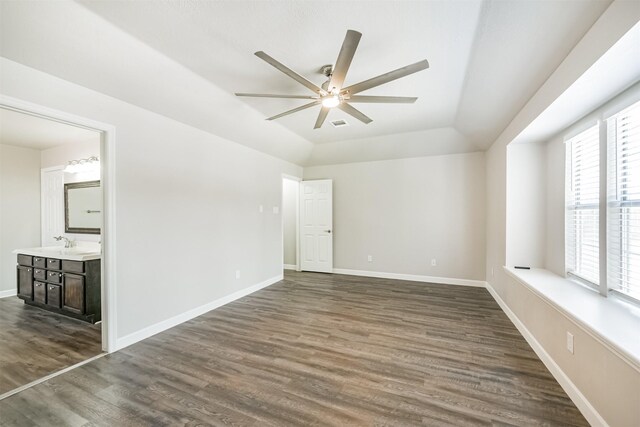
(40, 292)
(54, 295)
(25, 282)
(73, 288)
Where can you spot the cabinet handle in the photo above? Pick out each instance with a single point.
(38, 259)
(60, 275)
(28, 270)
(51, 288)
(37, 271)
(38, 285)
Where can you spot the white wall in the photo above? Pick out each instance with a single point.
(555, 205)
(19, 208)
(526, 205)
(405, 212)
(290, 190)
(187, 204)
(60, 155)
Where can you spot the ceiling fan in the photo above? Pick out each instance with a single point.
(332, 93)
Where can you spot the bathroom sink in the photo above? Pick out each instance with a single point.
(75, 254)
(68, 251)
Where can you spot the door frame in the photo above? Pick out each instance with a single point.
(298, 180)
(108, 182)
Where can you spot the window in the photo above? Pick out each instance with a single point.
(623, 202)
(583, 205)
(586, 253)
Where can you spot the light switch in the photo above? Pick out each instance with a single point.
(261, 209)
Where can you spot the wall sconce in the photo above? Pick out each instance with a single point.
(83, 165)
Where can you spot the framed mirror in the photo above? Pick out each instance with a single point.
(83, 207)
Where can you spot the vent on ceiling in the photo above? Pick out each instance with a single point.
(339, 123)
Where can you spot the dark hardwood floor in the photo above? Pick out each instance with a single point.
(316, 349)
(36, 342)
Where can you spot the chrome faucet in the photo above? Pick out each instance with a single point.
(67, 243)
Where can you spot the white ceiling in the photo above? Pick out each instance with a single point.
(487, 58)
(24, 130)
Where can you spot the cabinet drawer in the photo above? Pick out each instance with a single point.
(54, 277)
(39, 261)
(54, 295)
(73, 266)
(40, 292)
(53, 264)
(26, 260)
(39, 274)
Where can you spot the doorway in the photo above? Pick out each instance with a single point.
(316, 225)
(307, 215)
(43, 223)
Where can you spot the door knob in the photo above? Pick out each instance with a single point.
(328, 231)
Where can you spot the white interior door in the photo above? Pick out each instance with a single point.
(52, 201)
(316, 225)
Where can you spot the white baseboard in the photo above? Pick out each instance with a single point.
(585, 407)
(411, 277)
(290, 266)
(9, 293)
(188, 315)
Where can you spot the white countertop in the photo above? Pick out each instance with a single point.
(73, 254)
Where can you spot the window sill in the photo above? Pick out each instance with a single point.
(612, 321)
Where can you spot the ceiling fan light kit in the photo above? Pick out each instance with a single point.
(332, 94)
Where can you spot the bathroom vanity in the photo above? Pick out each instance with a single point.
(65, 281)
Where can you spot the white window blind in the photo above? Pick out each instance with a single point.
(623, 202)
(582, 205)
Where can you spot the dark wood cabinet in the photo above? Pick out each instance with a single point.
(25, 282)
(67, 287)
(54, 295)
(40, 292)
(74, 293)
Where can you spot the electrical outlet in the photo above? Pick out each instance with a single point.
(433, 262)
(570, 342)
(261, 208)
(369, 258)
(276, 209)
(237, 274)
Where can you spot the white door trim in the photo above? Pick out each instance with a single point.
(108, 180)
(298, 180)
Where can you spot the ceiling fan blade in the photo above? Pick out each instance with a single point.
(348, 49)
(289, 72)
(354, 112)
(321, 117)
(387, 77)
(383, 99)
(295, 110)
(267, 95)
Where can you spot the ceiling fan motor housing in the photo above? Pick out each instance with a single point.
(327, 70)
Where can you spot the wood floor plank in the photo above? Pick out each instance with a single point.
(35, 343)
(318, 349)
